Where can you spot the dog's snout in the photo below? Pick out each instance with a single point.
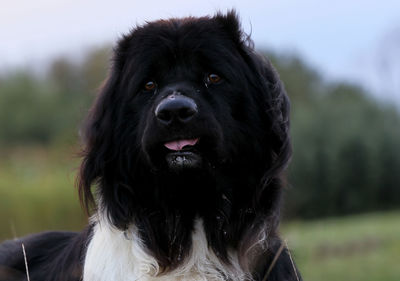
(176, 108)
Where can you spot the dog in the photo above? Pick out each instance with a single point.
(183, 155)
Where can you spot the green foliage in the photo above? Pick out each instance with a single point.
(346, 154)
(345, 159)
(49, 109)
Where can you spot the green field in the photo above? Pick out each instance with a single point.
(356, 248)
(36, 194)
(37, 191)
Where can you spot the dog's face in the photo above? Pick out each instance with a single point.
(193, 101)
(182, 124)
(188, 111)
(189, 93)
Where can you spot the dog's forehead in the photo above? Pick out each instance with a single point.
(177, 31)
(188, 39)
(192, 46)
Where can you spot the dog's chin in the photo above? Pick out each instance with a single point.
(183, 160)
(183, 155)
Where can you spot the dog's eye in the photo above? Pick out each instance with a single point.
(213, 78)
(150, 85)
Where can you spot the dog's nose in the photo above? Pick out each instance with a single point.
(176, 107)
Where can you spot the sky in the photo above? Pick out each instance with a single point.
(351, 40)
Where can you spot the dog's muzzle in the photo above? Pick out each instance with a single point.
(175, 111)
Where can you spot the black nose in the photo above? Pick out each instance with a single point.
(176, 108)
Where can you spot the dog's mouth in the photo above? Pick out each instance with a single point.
(183, 153)
(179, 145)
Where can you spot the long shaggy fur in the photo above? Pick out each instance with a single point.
(209, 211)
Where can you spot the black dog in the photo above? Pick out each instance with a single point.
(186, 144)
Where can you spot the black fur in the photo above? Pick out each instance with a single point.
(51, 256)
(242, 123)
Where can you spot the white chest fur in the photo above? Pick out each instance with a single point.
(112, 257)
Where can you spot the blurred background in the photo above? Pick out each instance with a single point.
(340, 63)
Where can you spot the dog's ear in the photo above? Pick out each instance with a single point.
(276, 114)
(230, 23)
(98, 132)
(264, 77)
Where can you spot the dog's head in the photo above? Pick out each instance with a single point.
(189, 111)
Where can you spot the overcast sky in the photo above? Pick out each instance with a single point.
(342, 38)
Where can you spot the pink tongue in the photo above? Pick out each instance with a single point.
(179, 144)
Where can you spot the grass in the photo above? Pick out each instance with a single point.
(37, 194)
(362, 247)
